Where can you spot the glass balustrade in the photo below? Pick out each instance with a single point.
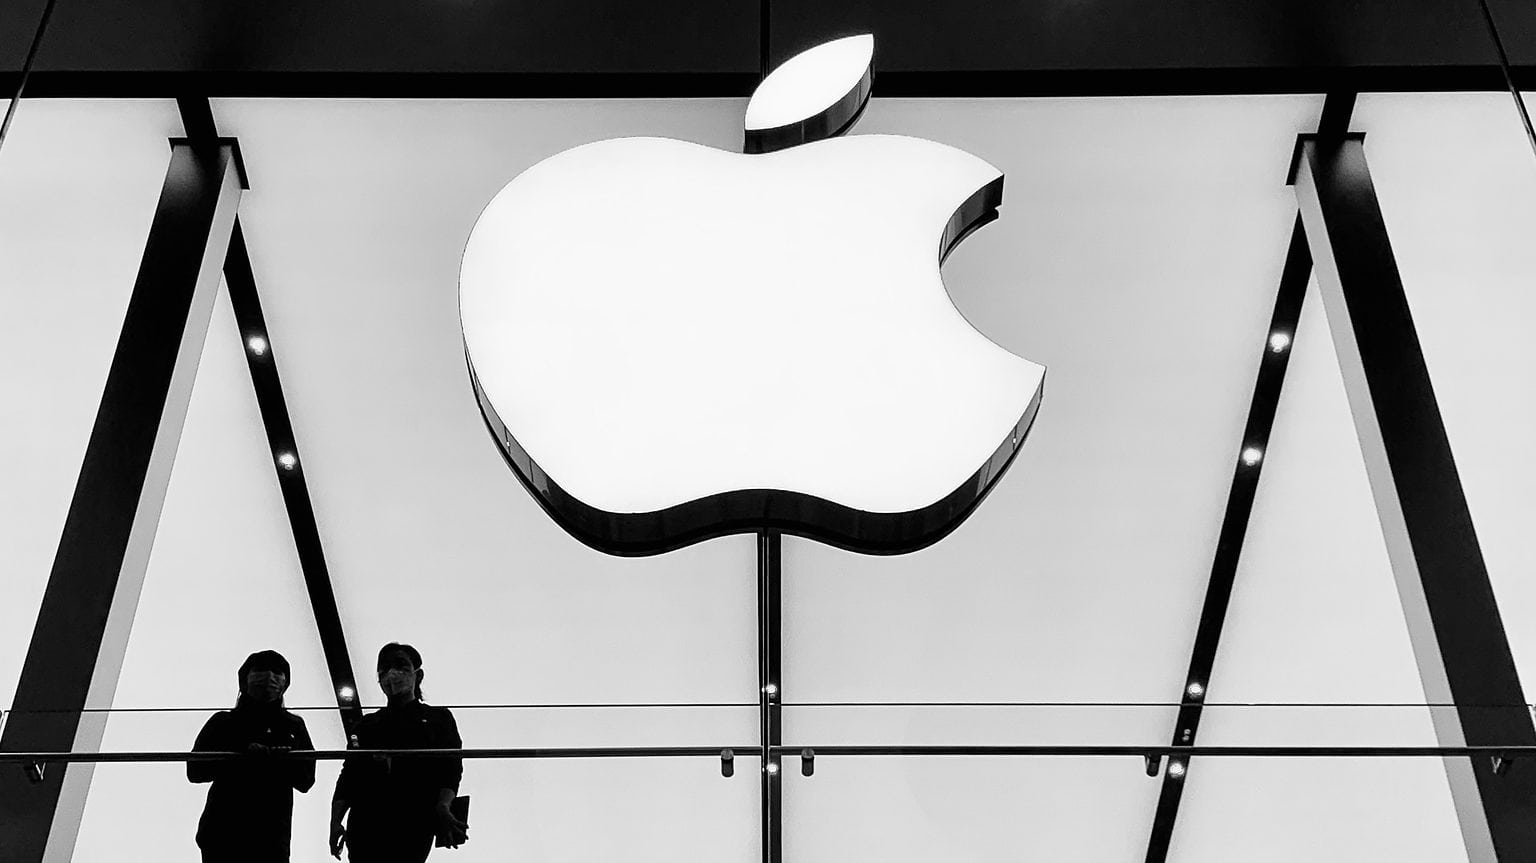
(860, 780)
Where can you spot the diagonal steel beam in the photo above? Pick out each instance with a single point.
(1442, 580)
(289, 466)
(82, 628)
(1234, 526)
(197, 117)
(1274, 358)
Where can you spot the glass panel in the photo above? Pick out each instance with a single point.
(79, 181)
(1137, 256)
(223, 579)
(655, 809)
(1317, 809)
(1315, 613)
(1019, 724)
(568, 727)
(970, 809)
(135, 807)
(1454, 172)
(358, 217)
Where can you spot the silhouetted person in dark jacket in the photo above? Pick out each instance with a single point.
(249, 815)
(398, 804)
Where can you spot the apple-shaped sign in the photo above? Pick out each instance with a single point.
(671, 342)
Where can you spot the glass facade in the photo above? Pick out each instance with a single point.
(1137, 256)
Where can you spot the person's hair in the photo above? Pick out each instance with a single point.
(262, 660)
(412, 653)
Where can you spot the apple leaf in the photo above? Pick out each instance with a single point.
(813, 95)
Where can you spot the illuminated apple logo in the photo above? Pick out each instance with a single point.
(671, 342)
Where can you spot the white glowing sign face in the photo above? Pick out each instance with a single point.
(672, 342)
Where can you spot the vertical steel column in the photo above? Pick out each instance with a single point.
(1453, 617)
(770, 693)
(82, 629)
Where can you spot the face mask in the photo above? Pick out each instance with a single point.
(398, 682)
(265, 686)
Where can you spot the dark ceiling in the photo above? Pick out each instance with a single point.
(714, 47)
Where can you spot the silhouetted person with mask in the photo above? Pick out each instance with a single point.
(249, 814)
(398, 804)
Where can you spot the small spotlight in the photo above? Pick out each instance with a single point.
(771, 689)
(257, 344)
(287, 460)
(773, 767)
(1251, 456)
(1279, 342)
(1195, 690)
(346, 692)
(1175, 769)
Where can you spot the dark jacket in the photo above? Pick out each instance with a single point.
(403, 791)
(250, 805)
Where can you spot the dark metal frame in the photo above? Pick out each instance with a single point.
(26, 70)
(770, 691)
(890, 83)
(1508, 72)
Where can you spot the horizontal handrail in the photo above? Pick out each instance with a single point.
(1152, 751)
(316, 708)
(340, 754)
(1172, 751)
(1191, 703)
(795, 704)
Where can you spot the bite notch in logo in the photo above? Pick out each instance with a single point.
(671, 342)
